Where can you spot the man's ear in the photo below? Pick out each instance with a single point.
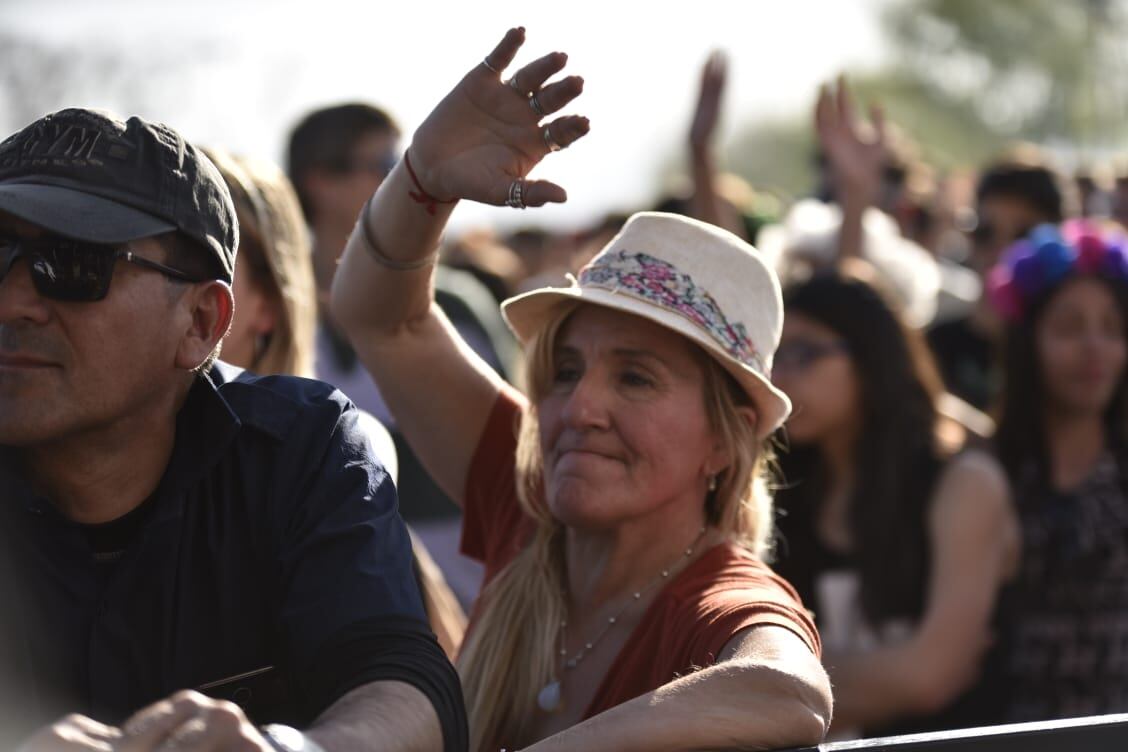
(210, 307)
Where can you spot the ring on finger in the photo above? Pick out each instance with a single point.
(516, 197)
(549, 141)
(486, 62)
(512, 84)
(538, 108)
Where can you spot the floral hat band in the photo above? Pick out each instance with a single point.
(1034, 264)
(692, 278)
(661, 283)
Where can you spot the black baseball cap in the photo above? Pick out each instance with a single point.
(87, 175)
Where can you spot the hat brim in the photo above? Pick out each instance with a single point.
(526, 314)
(77, 215)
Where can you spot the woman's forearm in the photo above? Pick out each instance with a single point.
(897, 681)
(851, 233)
(871, 688)
(732, 704)
(705, 203)
(402, 230)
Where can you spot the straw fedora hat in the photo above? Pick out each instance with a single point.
(695, 279)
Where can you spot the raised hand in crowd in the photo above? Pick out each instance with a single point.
(481, 138)
(479, 143)
(856, 159)
(705, 203)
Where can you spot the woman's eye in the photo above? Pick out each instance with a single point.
(566, 375)
(633, 378)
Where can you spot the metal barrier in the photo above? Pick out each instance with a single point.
(1100, 733)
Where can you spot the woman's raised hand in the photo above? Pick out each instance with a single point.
(488, 132)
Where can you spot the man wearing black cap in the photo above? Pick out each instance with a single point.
(169, 523)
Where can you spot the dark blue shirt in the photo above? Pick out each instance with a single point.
(270, 567)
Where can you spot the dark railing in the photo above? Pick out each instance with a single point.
(1101, 733)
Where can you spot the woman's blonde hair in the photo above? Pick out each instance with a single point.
(511, 653)
(273, 239)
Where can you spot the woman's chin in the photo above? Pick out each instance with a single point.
(582, 508)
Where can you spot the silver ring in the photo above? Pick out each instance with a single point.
(549, 141)
(516, 197)
(486, 62)
(512, 84)
(536, 105)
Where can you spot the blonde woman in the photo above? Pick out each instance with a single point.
(273, 329)
(626, 604)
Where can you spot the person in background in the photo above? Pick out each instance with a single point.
(897, 539)
(622, 523)
(1013, 195)
(276, 312)
(1119, 196)
(1063, 417)
(337, 157)
(852, 224)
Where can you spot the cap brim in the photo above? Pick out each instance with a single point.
(78, 215)
(527, 313)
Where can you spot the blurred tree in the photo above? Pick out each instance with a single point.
(32, 78)
(775, 156)
(966, 77)
(37, 77)
(1044, 70)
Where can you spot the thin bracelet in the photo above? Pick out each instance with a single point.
(422, 196)
(380, 258)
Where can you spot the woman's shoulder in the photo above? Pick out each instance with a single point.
(728, 576)
(973, 477)
(730, 588)
(972, 505)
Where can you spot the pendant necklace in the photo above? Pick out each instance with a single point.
(549, 698)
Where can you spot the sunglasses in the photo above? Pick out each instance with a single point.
(74, 271)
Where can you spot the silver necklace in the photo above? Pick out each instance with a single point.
(549, 698)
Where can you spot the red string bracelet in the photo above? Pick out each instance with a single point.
(422, 197)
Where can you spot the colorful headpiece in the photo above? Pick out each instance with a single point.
(1031, 266)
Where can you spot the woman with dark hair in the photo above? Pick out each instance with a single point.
(897, 539)
(1061, 438)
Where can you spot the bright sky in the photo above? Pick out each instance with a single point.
(239, 72)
